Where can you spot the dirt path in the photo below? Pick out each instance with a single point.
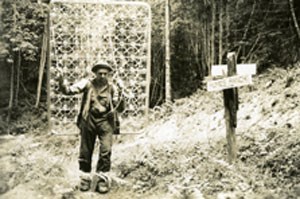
(178, 153)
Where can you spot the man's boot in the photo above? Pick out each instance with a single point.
(100, 183)
(85, 182)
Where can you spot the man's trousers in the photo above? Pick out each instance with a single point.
(89, 130)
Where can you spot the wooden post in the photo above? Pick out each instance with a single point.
(236, 75)
(231, 108)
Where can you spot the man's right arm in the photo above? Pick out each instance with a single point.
(76, 88)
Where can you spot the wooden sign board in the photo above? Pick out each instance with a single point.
(241, 69)
(229, 82)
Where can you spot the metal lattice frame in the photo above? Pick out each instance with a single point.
(83, 33)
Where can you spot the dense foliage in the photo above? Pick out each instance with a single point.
(203, 32)
(23, 25)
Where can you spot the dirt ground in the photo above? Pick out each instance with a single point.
(179, 153)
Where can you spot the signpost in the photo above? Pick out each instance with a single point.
(233, 76)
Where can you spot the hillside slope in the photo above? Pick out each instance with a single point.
(179, 153)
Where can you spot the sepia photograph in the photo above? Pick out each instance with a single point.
(150, 99)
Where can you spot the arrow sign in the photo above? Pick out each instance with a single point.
(229, 82)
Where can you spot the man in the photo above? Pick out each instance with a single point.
(96, 119)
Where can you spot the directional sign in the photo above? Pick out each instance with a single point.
(241, 69)
(229, 82)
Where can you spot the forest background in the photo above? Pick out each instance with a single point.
(201, 34)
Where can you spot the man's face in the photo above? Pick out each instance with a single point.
(102, 73)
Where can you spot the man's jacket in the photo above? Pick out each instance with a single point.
(105, 96)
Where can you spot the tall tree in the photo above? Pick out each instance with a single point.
(213, 32)
(220, 31)
(42, 63)
(168, 67)
(227, 22)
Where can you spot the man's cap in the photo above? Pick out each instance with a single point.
(101, 65)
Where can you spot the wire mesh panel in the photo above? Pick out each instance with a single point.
(83, 33)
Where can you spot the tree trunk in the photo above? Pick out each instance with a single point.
(208, 47)
(12, 75)
(220, 32)
(18, 77)
(168, 69)
(11, 96)
(227, 25)
(48, 71)
(249, 55)
(203, 50)
(206, 40)
(42, 65)
(197, 52)
(213, 32)
(292, 9)
(247, 28)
